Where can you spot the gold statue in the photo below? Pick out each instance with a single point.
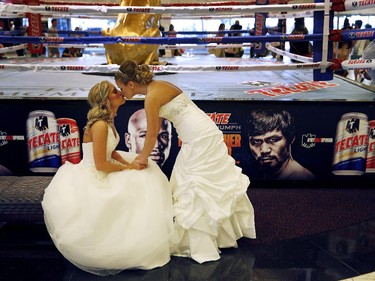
(137, 25)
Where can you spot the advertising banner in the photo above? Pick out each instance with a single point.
(35, 27)
(319, 142)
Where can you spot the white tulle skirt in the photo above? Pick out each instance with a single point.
(107, 223)
(211, 207)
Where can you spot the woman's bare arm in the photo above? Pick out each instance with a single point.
(152, 106)
(99, 135)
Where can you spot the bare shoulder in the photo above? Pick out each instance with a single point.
(100, 125)
(164, 85)
(99, 128)
(162, 91)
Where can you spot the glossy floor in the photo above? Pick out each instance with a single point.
(27, 253)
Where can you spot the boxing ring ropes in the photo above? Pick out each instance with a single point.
(319, 62)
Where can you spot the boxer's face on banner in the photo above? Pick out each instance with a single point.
(135, 139)
(270, 150)
(160, 153)
(136, 135)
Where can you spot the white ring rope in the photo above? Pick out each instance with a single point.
(78, 46)
(209, 46)
(278, 15)
(161, 68)
(162, 47)
(350, 5)
(353, 5)
(12, 48)
(77, 2)
(288, 54)
(358, 64)
(23, 15)
(11, 8)
(362, 12)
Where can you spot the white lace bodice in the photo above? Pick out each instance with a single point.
(172, 109)
(189, 121)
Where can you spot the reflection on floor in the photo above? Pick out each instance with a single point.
(27, 253)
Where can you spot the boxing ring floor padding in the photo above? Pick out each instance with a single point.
(219, 85)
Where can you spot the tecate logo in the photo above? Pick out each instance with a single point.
(220, 9)
(57, 9)
(213, 39)
(227, 67)
(365, 3)
(130, 39)
(72, 67)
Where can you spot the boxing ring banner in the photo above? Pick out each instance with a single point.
(332, 140)
(35, 28)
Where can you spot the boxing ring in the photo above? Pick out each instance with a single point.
(227, 89)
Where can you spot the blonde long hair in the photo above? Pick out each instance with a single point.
(100, 105)
(131, 71)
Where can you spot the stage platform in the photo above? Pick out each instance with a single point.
(220, 85)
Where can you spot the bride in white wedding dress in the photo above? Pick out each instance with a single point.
(103, 215)
(210, 204)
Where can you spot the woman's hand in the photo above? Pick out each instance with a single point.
(132, 166)
(138, 164)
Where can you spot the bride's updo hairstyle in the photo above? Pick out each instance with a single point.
(131, 71)
(100, 105)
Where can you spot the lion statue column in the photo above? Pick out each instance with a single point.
(138, 25)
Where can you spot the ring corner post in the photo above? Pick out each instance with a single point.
(260, 28)
(322, 50)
